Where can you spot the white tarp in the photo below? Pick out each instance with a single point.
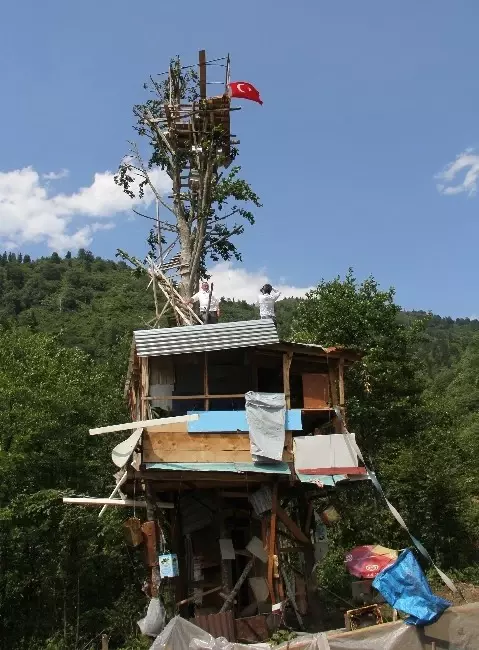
(457, 629)
(266, 413)
(311, 452)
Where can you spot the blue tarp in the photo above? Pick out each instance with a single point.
(233, 421)
(405, 587)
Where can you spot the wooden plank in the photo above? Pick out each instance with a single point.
(170, 441)
(91, 501)
(272, 542)
(181, 427)
(195, 456)
(229, 601)
(205, 368)
(287, 359)
(293, 528)
(202, 396)
(331, 471)
(192, 598)
(160, 422)
(202, 73)
(315, 390)
(341, 381)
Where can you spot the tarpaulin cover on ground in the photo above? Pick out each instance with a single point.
(458, 629)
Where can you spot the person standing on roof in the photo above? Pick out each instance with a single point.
(267, 299)
(209, 304)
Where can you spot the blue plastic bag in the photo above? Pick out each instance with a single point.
(404, 586)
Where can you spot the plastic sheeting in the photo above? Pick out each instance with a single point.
(178, 635)
(265, 413)
(404, 586)
(154, 620)
(458, 629)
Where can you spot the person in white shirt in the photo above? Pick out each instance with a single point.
(267, 299)
(203, 297)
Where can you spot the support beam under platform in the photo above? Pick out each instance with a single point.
(129, 503)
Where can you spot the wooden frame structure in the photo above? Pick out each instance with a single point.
(271, 545)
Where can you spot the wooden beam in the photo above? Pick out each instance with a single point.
(202, 74)
(91, 501)
(226, 441)
(169, 441)
(203, 396)
(309, 517)
(160, 455)
(192, 598)
(205, 380)
(294, 529)
(160, 422)
(287, 359)
(272, 542)
(341, 381)
(331, 471)
(117, 488)
(229, 601)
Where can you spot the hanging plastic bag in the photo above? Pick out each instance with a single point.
(154, 620)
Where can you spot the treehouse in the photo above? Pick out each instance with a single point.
(247, 524)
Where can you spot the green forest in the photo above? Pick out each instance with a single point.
(67, 576)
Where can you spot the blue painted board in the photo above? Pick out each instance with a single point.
(224, 421)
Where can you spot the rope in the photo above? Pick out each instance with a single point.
(355, 451)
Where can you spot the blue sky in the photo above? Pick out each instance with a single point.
(365, 103)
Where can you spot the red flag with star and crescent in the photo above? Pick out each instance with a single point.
(244, 90)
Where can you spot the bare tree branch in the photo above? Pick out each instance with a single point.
(236, 231)
(148, 179)
(164, 224)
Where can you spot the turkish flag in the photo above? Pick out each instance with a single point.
(244, 90)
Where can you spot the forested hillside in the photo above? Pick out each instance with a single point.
(65, 328)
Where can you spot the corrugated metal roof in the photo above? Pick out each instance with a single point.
(204, 338)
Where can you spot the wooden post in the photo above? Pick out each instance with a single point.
(254, 370)
(144, 387)
(229, 601)
(226, 577)
(104, 641)
(287, 359)
(341, 381)
(202, 75)
(333, 372)
(272, 542)
(151, 517)
(341, 394)
(205, 382)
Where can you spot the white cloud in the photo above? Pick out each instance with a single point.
(31, 213)
(56, 176)
(467, 162)
(240, 284)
